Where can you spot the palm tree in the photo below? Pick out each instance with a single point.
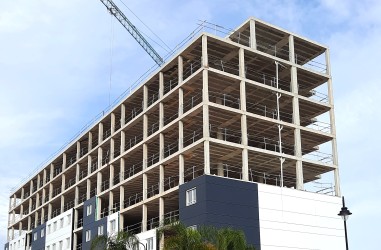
(180, 237)
(120, 241)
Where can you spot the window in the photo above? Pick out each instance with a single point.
(89, 210)
(100, 230)
(69, 219)
(42, 233)
(60, 246)
(191, 196)
(150, 243)
(61, 222)
(112, 226)
(48, 248)
(54, 246)
(88, 235)
(35, 236)
(68, 243)
(48, 231)
(54, 226)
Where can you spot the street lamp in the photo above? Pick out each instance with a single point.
(344, 213)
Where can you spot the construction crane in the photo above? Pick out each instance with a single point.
(115, 11)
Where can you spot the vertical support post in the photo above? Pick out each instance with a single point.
(121, 196)
(333, 127)
(161, 179)
(291, 48)
(100, 133)
(144, 217)
(90, 142)
(296, 119)
(111, 202)
(64, 158)
(112, 123)
(122, 141)
(99, 182)
(122, 115)
(112, 148)
(77, 172)
(253, 38)
(205, 109)
(62, 203)
(76, 199)
(88, 189)
(78, 155)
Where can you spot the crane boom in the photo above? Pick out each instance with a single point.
(115, 11)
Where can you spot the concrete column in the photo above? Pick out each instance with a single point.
(122, 115)
(121, 222)
(98, 208)
(122, 169)
(112, 148)
(99, 182)
(88, 189)
(112, 174)
(49, 211)
(161, 146)
(220, 169)
(245, 153)
(22, 194)
(122, 141)
(161, 210)
(181, 169)
(121, 196)
(51, 171)
(144, 219)
(36, 219)
(100, 133)
(64, 161)
(296, 120)
(43, 196)
(205, 98)
(30, 188)
(145, 186)
(112, 123)
(291, 48)
(90, 142)
(161, 179)
(37, 200)
(44, 177)
(29, 224)
(62, 203)
(253, 38)
(241, 55)
(42, 216)
(89, 161)
(145, 155)
(145, 97)
(50, 191)
(63, 183)
(180, 69)
(100, 157)
(75, 240)
(77, 172)
(205, 51)
(111, 201)
(38, 181)
(78, 150)
(76, 194)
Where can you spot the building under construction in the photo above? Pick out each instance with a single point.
(228, 132)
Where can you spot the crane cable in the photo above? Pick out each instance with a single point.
(111, 56)
(168, 48)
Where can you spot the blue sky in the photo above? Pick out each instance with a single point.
(55, 69)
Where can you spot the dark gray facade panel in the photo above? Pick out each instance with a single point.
(222, 202)
(39, 243)
(89, 223)
(89, 218)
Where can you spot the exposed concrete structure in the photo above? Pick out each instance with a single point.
(244, 107)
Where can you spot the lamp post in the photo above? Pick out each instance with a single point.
(344, 213)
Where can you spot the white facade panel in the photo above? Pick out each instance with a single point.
(17, 243)
(59, 231)
(148, 239)
(113, 223)
(294, 219)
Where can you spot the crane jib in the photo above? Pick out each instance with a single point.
(115, 11)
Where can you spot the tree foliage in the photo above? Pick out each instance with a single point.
(179, 237)
(119, 241)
